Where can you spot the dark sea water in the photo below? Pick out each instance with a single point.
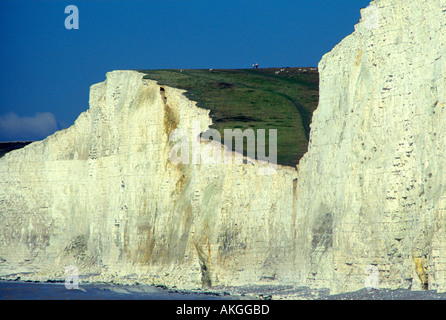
(22, 290)
(17, 290)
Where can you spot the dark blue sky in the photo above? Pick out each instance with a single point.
(47, 70)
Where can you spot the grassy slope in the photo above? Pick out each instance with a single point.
(254, 98)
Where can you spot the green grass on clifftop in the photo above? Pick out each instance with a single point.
(269, 98)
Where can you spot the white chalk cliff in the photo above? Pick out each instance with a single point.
(372, 186)
(104, 196)
(368, 199)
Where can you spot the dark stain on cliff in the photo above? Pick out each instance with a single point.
(146, 244)
(229, 241)
(77, 253)
(323, 233)
(170, 118)
(204, 266)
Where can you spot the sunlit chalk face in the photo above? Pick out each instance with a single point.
(371, 17)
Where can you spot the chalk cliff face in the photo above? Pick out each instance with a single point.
(104, 196)
(368, 200)
(372, 187)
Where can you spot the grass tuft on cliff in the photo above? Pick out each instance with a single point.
(266, 98)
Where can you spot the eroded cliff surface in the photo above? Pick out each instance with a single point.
(372, 187)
